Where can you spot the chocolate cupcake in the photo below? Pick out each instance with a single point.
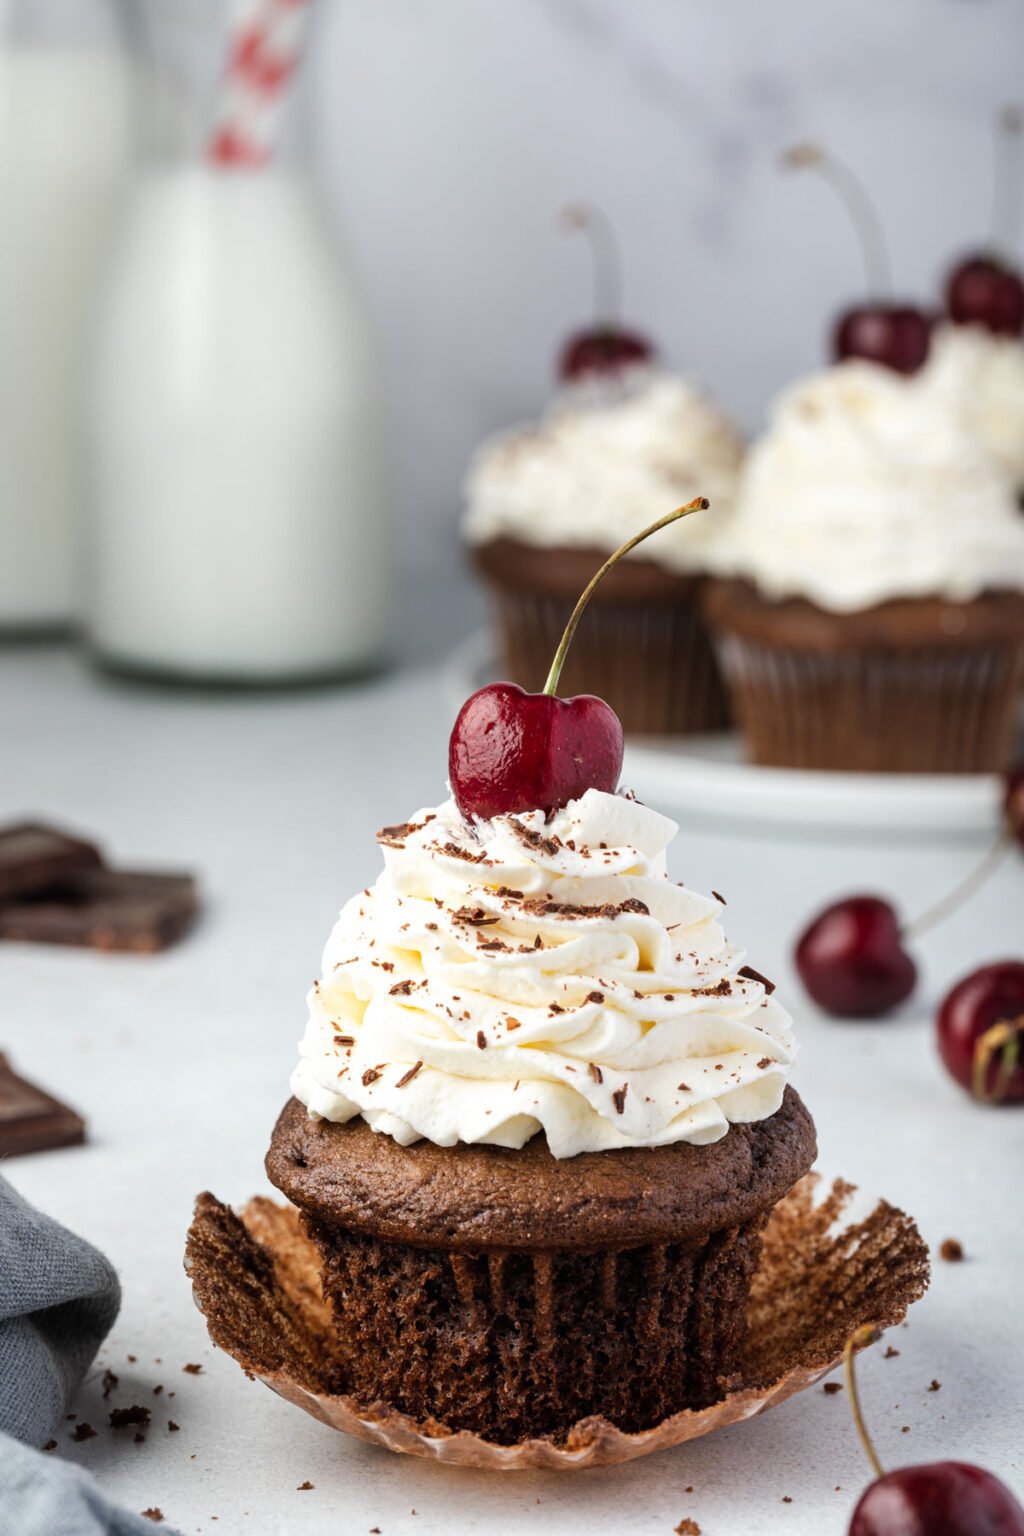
(875, 616)
(541, 1117)
(547, 505)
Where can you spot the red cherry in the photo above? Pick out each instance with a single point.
(981, 1032)
(852, 961)
(604, 349)
(1013, 802)
(514, 751)
(945, 1498)
(982, 290)
(895, 335)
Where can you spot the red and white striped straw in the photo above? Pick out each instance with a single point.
(266, 46)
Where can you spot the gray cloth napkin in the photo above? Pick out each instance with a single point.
(58, 1300)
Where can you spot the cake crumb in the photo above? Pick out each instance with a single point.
(109, 1382)
(192, 1370)
(83, 1431)
(935, 1386)
(306, 1487)
(172, 1427)
(952, 1250)
(832, 1387)
(687, 1527)
(51, 1445)
(890, 1353)
(131, 1359)
(120, 1418)
(786, 1499)
(906, 1429)
(154, 1514)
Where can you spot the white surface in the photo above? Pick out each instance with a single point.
(235, 408)
(707, 775)
(181, 1063)
(63, 158)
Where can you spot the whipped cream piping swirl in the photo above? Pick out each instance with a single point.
(527, 974)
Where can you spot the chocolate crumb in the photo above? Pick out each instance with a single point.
(687, 1527)
(172, 1428)
(305, 1487)
(154, 1514)
(786, 1499)
(951, 1249)
(131, 1359)
(890, 1353)
(110, 1381)
(906, 1429)
(481, 1040)
(51, 1445)
(83, 1431)
(595, 997)
(120, 1418)
(752, 975)
(407, 1077)
(935, 1386)
(619, 1098)
(832, 1387)
(192, 1370)
(766, 1061)
(140, 1439)
(157, 1391)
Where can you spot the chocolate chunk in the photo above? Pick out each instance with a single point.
(33, 857)
(31, 1120)
(105, 909)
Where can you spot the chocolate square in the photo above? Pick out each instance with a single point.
(31, 1120)
(130, 911)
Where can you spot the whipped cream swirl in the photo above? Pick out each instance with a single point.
(598, 468)
(529, 974)
(981, 378)
(866, 487)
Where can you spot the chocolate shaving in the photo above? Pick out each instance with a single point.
(344, 1039)
(453, 851)
(481, 1040)
(619, 1098)
(766, 1061)
(721, 988)
(752, 975)
(509, 893)
(392, 836)
(544, 906)
(719, 897)
(407, 1077)
(511, 1023)
(475, 916)
(370, 1076)
(400, 989)
(594, 997)
(549, 845)
(595, 1071)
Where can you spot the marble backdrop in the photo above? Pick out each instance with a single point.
(456, 129)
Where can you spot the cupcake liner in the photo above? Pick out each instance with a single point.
(884, 710)
(653, 662)
(830, 1262)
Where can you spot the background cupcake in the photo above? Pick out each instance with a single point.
(875, 619)
(546, 505)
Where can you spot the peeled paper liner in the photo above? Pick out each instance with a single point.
(831, 1262)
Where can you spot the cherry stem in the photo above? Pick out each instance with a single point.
(963, 891)
(860, 1340)
(1003, 1039)
(699, 504)
(1007, 179)
(606, 259)
(861, 210)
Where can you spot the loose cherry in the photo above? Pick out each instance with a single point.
(852, 961)
(512, 751)
(853, 958)
(981, 1033)
(606, 347)
(985, 288)
(940, 1498)
(895, 335)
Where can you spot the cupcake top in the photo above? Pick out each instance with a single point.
(597, 468)
(527, 974)
(867, 487)
(981, 377)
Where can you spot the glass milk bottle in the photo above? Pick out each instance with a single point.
(64, 135)
(238, 526)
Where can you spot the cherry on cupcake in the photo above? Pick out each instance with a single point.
(981, 1033)
(895, 334)
(853, 958)
(939, 1498)
(607, 346)
(986, 287)
(512, 751)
